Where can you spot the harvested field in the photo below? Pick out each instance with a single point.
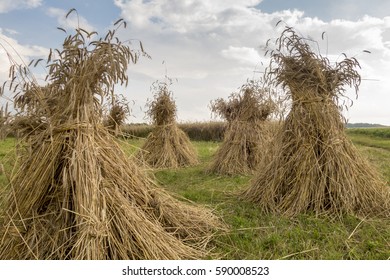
(257, 235)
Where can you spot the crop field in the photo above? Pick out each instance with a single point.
(252, 234)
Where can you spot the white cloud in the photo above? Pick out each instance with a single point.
(214, 46)
(243, 55)
(15, 49)
(182, 16)
(9, 5)
(9, 31)
(11, 51)
(73, 21)
(356, 9)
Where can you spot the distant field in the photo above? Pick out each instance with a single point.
(383, 132)
(254, 235)
(372, 137)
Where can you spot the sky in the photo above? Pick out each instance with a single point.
(210, 48)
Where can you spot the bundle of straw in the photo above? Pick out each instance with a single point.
(167, 146)
(74, 193)
(247, 135)
(314, 167)
(119, 110)
(162, 109)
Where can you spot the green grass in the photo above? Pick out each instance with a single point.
(255, 235)
(383, 132)
(370, 141)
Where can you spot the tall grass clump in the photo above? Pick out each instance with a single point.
(247, 135)
(74, 194)
(167, 146)
(315, 168)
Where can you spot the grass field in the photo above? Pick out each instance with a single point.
(254, 235)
